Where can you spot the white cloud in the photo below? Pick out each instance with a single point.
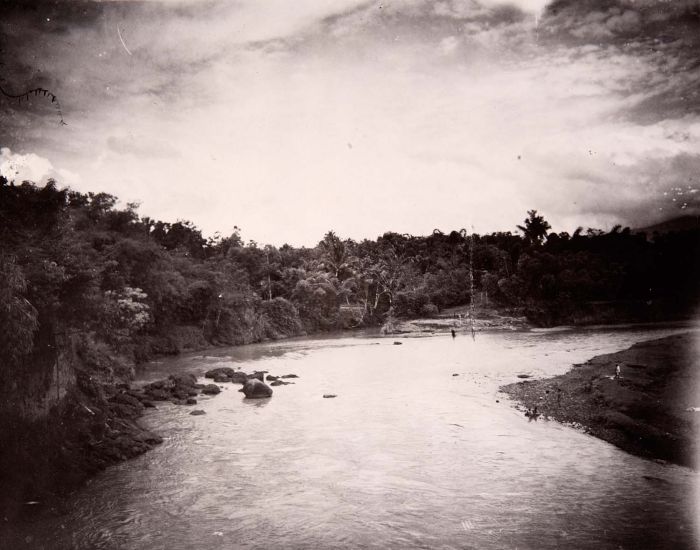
(19, 168)
(382, 126)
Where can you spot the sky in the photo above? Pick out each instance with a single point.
(290, 119)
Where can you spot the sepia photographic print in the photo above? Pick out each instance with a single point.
(329, 274)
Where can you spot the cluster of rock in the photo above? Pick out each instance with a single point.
(183, 389)
(227, 374)
(253, 384)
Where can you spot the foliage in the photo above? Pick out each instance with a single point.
(535, 228)
(18, 317)
(73, 261)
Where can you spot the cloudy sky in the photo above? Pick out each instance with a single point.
(290, 118)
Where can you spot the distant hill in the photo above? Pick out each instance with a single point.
(682, 223)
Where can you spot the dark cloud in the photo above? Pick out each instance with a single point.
(406, 23)
(647, 192)
(596, 21)
(73, 49)
(663, 34)
(426, 19)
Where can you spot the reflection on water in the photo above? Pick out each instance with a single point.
(407, 456)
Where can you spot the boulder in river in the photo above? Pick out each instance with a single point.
(254, 388)
(289, 376)
(239, 377)
(197, 412)
(257, 375)
(183, 380)
(398, 343)
(329, 395)
(211, 389)
(177, 386)
(280, 383)
(272, 378)
(228, 372)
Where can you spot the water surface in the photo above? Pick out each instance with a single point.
(406, 456)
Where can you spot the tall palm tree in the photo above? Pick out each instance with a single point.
(535, 228)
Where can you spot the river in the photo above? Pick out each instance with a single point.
(406, 456)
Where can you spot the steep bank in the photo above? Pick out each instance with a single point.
(66, 416)
(647, 411)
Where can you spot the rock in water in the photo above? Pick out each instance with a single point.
(177, 387)
(398, 343)
(228, 372)
(211, 389)
(257, 376)
(329, 395)
(239, 377)
(197, 412)
(183, 380)
(254, 388)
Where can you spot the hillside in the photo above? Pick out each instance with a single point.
(682, 223)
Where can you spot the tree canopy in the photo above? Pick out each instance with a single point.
(74, 261)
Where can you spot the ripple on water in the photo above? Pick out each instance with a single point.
(407, 456)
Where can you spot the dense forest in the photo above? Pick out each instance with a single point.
(74, 263)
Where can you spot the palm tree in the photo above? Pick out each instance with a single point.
(535, 229)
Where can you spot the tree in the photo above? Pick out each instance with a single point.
(18, 317)
(334, 254)
(535, 228)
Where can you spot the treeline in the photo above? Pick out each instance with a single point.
(75, 263)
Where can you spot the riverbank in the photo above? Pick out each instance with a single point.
(89, 422)
(95, 426)
(648, 410)
(460, 319)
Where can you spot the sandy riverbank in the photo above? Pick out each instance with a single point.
(460, 320)
(647, 411)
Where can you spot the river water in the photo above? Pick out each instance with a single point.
(406, 456)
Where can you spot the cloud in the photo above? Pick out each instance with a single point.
(662, 35)
(140, 146)
(291, 119)
(19, 168)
